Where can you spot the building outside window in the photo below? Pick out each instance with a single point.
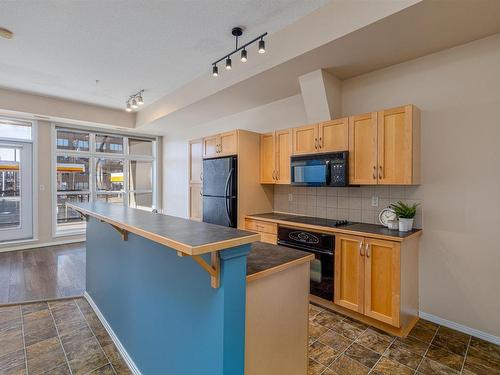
(93, 166)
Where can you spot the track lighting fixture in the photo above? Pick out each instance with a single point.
(262, 46)
(135, 101)
(237, 32)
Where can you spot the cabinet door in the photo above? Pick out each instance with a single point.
(334, 135)
(267, 159)
(210, 146)
(395, 146)
(349, 272)
(195, 202)
(305, 139)
(228, 143)
(195, 158)
(382, 280)
(283, 152)
(363, 149)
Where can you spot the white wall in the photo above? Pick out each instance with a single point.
(281, 114)
(458, 91)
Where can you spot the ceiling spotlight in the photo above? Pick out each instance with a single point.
(262, 46)
(134, 103)
(135, 100)
(129, 108)
(238, 32)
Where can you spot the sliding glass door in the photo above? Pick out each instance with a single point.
(16, 191)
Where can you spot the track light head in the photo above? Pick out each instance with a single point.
(129, 107)
(262, 46)
(244, 55)
(215, 71)
(140, 100)
(134, 103)
(228, 63)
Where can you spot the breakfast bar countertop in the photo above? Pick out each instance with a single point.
(187, 236)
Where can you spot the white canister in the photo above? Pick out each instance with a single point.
(405, 225)
(393, 224)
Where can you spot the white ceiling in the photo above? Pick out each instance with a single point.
(60, 48)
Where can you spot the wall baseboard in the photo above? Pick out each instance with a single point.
(34, 245)
(135, 370)
(460, 327)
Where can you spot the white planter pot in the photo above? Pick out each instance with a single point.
(405, 225)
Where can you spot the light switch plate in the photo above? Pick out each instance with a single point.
(42, 187)
(290, 197)
(374, 201)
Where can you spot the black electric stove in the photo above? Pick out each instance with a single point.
(332, 223)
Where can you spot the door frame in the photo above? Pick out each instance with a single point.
(34, 179)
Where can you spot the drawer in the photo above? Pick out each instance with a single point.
(261, 226)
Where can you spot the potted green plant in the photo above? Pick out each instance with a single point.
(405, 214)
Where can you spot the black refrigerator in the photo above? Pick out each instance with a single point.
(219, 191)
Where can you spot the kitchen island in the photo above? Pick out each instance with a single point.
(173, 292)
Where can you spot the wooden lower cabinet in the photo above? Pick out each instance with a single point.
(267, 230)
(368, 277)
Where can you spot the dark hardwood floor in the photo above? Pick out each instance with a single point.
(42, 274)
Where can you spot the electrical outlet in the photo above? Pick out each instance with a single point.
(290, 197)
(42, 187)
(374, 201)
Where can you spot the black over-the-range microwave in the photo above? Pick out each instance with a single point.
(320, 169)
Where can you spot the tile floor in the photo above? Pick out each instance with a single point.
(342, 346)
(59, 338)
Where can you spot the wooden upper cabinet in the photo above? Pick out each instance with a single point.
(283, 147)
(363, 149)
(228, 144)
(210, 146)
(334, 135)
(305, 140)
(349, 272)
(267, 159)
(223, 144)
(399, 146)
(382, 281)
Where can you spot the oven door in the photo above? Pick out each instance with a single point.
(313, 172)
(322, 275)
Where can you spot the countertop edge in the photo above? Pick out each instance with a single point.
(279, 268)
(337, 230)
(179, 246)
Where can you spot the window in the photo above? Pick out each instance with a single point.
(101, 167)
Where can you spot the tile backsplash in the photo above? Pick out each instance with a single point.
(350, 203)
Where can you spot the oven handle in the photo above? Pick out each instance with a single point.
(304, 248)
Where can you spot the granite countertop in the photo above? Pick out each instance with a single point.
(369, 230)
(187, 236)
(265, 259)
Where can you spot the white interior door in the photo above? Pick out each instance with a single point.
(16, 191)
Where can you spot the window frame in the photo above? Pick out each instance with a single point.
(93, 156)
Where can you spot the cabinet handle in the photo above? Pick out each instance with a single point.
(367, 250)
(380, 174)
(320, 142)
(277, 175)
(361, 249)
(316, 143)
(274, 172)
(220, 148)
(374, 172)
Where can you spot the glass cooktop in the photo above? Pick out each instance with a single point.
(319, 221)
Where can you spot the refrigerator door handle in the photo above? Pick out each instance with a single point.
(226, 193)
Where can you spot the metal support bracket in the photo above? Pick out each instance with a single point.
(123, 232)
(213, 270)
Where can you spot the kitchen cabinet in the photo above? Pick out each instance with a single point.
(275, 151)
(367, 277)
(223, 144)
(384, 147)
(195, 179)
(328, 136)
(267, 230)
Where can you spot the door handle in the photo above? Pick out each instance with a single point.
(361, 253)
(367, 250)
